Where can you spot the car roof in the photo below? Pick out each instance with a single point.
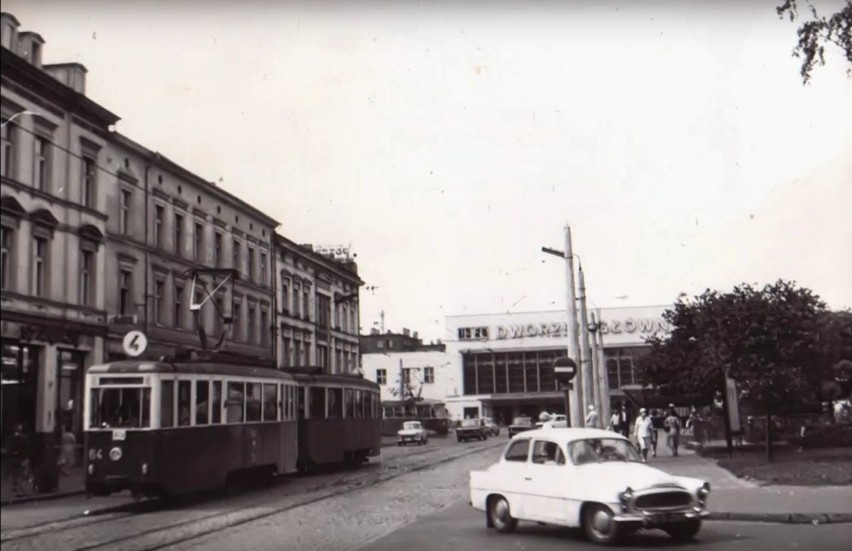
(569, 434)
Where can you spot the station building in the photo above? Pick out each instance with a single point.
(504, 362)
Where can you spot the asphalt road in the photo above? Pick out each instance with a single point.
(460, 527)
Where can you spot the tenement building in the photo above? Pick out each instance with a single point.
(166, 222)
(318, 317)
(53, 298)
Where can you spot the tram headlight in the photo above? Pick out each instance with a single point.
(91, 468)
(144, 468)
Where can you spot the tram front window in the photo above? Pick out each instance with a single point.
(120, 407)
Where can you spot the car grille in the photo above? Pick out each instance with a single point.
(663, 500)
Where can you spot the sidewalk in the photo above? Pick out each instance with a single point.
(732, 498)
(73, 483)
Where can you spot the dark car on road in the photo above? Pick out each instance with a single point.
(520, 424)
(472, 429)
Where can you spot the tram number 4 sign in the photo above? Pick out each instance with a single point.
(135, 343)
(564, 369)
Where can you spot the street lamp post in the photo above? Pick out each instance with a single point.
(577, 406)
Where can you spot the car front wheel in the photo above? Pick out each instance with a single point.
(684, 531)
(499, 515)
(600, 526)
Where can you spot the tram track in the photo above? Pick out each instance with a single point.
(245, 508)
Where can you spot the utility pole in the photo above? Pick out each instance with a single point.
(588, 378)
(577, 404)
(575, 413)
(602, 376)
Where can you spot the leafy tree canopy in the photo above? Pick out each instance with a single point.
(765, 338)
(818, 31)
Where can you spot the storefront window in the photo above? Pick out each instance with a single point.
(70, 379)
(19, 387)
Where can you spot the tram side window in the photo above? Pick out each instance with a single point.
(335, 403)
(234, 405)
(167, 404)
(253, 402)
(317, 404)
(368, 405)
(349, 400)
(270, 402)
(184, 403)
(202, 402)
(216, 416)
(359, 404)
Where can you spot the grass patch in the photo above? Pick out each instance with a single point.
(790, 466)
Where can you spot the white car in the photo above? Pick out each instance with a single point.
(588, 478)
(412, 432)
(557, 420)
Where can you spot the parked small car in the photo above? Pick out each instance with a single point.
(520, 424)
(412, 432)
(493, 428)
(471, 429)
(588, 478)
(557, 421)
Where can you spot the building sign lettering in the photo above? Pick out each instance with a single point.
(629, 325)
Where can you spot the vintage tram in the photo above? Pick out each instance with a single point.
(174, 427)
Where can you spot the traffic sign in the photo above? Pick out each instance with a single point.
(134, 343)
(564, 368)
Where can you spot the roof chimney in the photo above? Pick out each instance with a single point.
(415, 334)
(406, 332)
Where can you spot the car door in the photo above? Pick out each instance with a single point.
(546, 478)
(513, 470)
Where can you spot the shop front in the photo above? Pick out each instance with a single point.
(43, 368)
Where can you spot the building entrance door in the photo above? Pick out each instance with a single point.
(69, 407)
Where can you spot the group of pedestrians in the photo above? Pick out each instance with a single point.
(645, 428)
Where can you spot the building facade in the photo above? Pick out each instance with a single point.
(167, 221)
(317, 308)
(504, 362)
(54, 222)
(100, 236)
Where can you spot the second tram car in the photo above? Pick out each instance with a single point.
(167, 428)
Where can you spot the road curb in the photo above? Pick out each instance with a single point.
(40, 497)
(784, 518)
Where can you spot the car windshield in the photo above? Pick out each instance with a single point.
(411, 425)
(598, 450)
(470, 423)
(525, 421)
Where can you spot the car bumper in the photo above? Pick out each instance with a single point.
(649, 518)
(405, 439)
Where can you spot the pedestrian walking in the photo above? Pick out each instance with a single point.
(656, 424)
(67, 452)
(643, 429)
(618, 421)
(672, 424)
(592, 418)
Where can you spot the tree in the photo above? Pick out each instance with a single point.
(818, 31)
(765, 339)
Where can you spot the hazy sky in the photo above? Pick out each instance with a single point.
(447, 142)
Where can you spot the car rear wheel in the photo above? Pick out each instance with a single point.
(499, 515)
(600, 526)
(684, 531)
